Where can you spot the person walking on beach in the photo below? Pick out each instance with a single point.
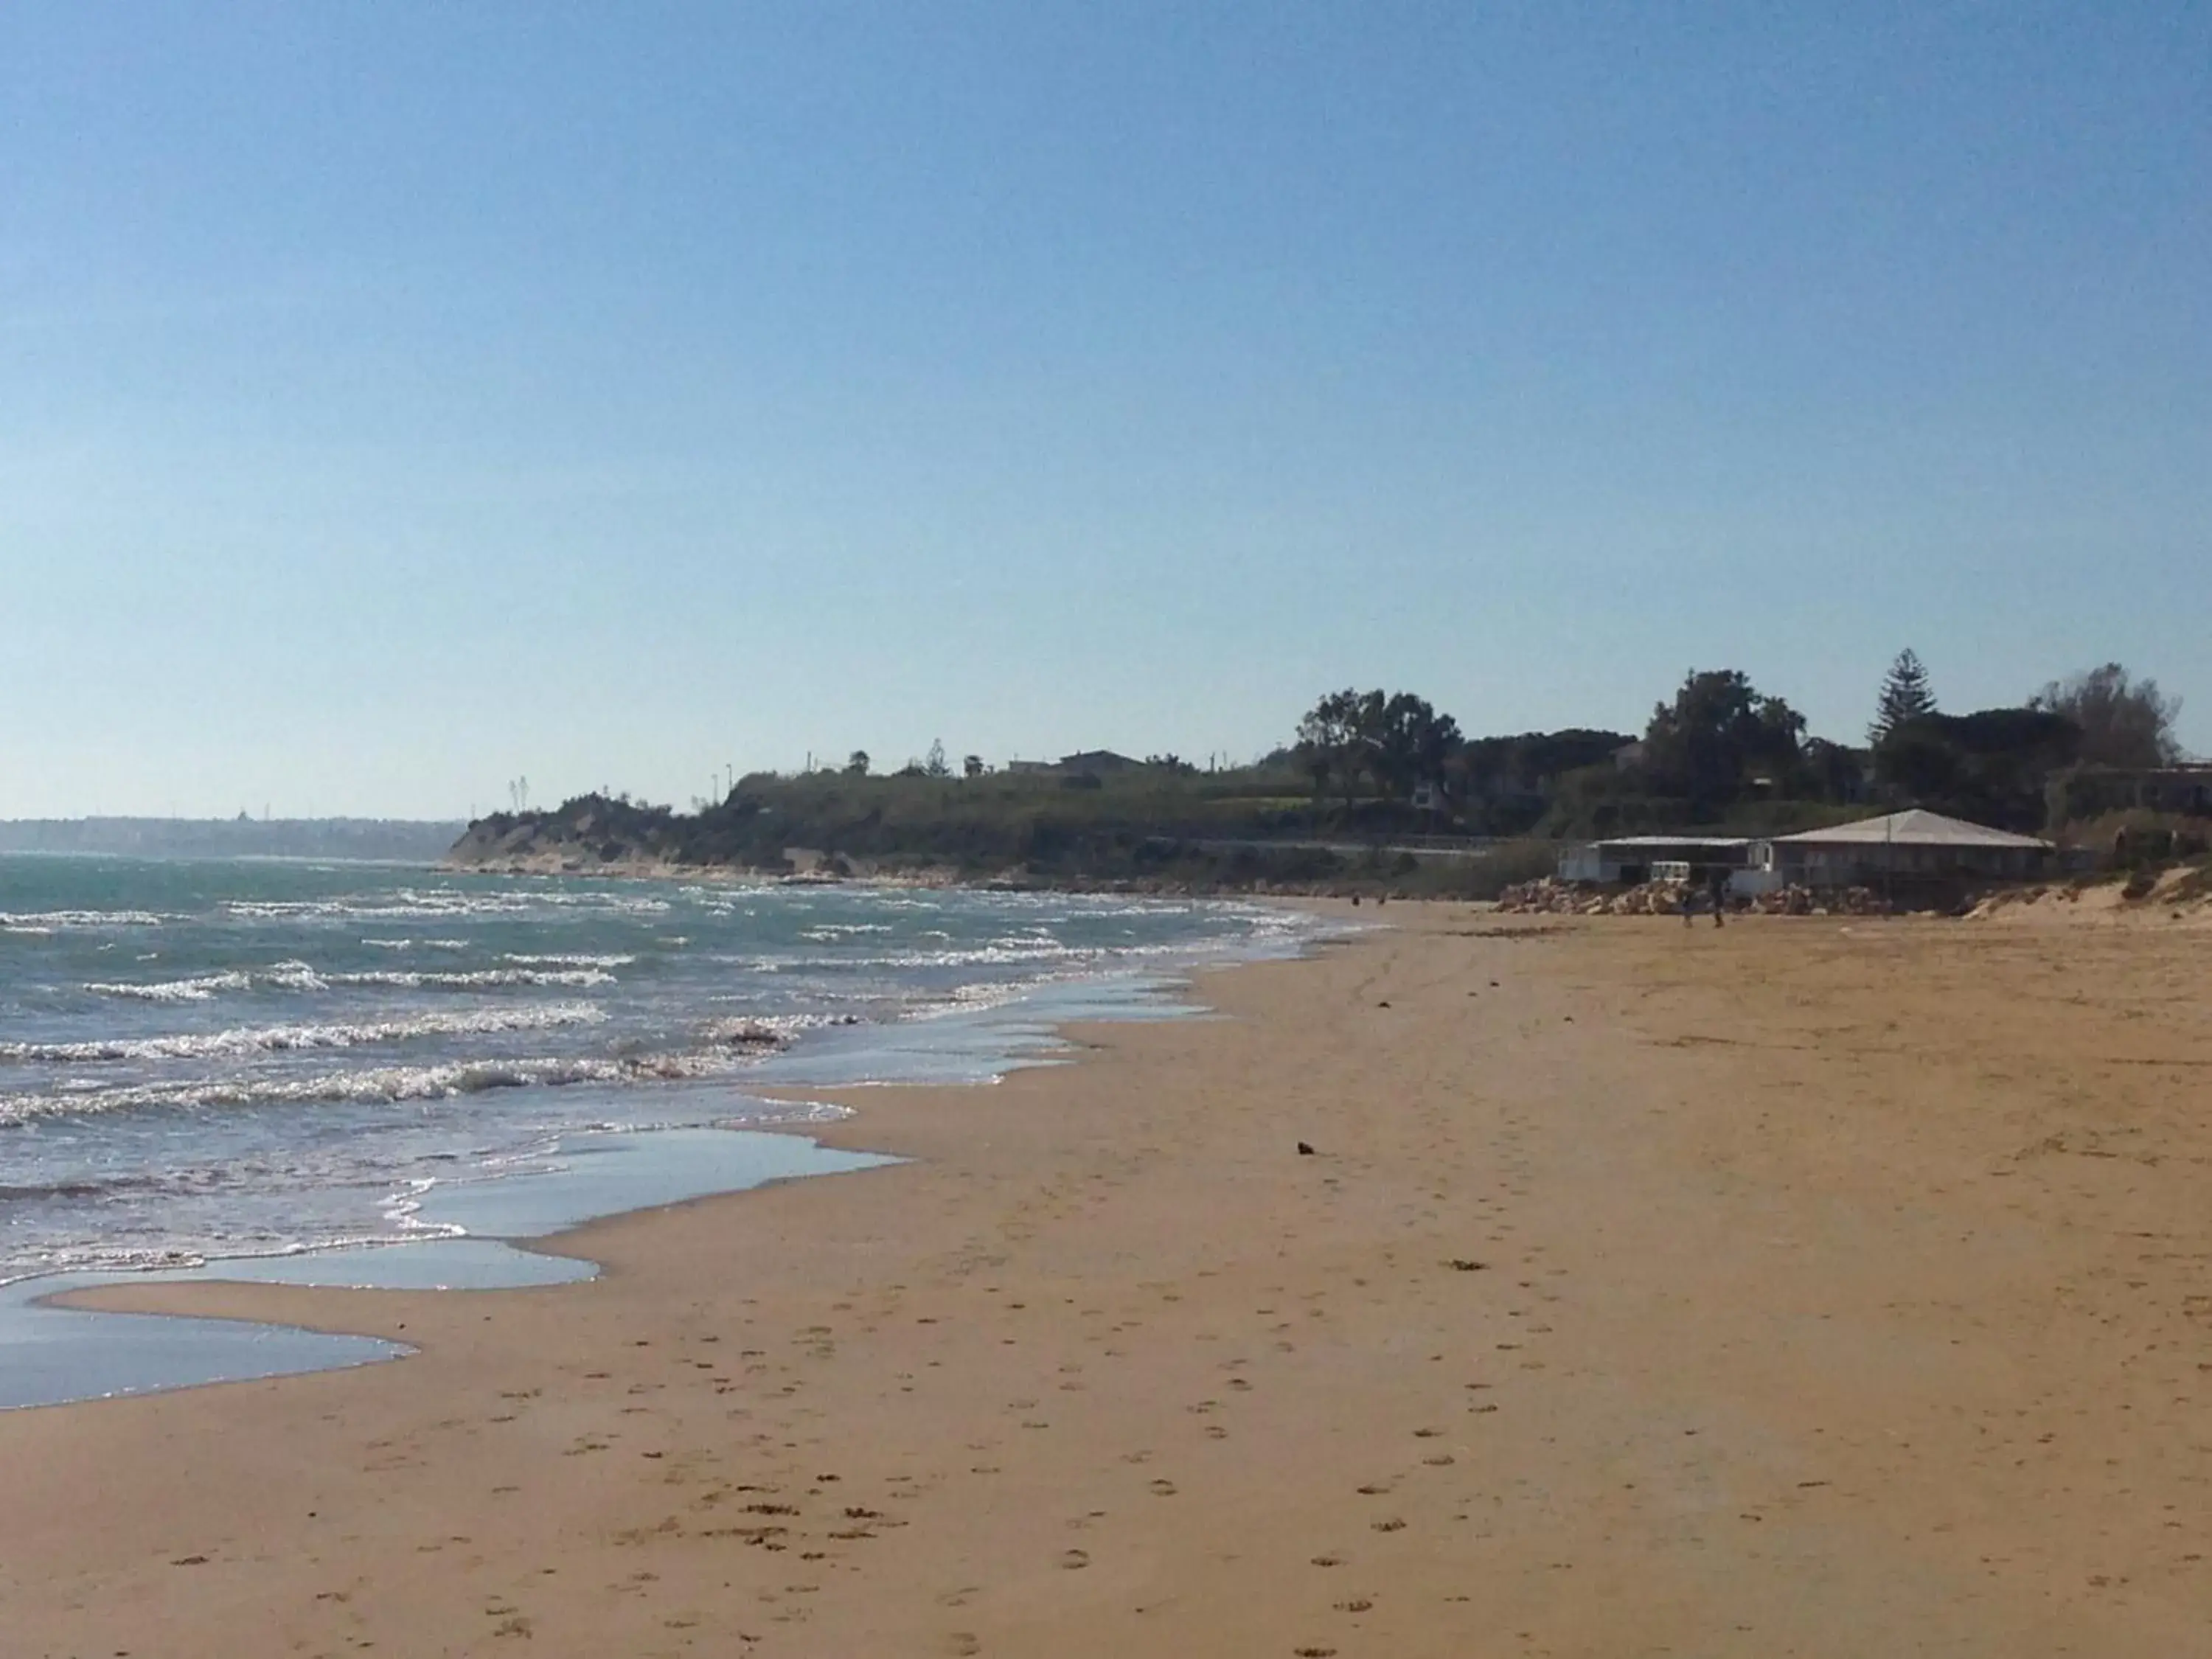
(1717, 882)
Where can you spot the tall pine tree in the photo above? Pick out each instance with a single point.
(1904, 695)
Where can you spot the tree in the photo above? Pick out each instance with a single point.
(1833, 771)
(2124, 722)
(1328, 744)
(973, 767)
(1390, 740)
(1905, 696)
(935, 766)
(857, 765)
(1993, 766)
(1718, 735)
(1410, 743)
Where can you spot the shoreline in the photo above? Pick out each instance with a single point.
(1633, 1299)
(1161, 998)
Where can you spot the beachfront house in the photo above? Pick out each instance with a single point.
(1629, 860)
(1090, 763)
(1914, 845)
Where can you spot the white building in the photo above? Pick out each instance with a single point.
(1914, 845)
(1630, 860)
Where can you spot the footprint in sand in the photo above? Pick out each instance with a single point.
(1163, 1489)
(1074, 1559)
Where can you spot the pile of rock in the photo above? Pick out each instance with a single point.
(1794, 901)
(1552, 897)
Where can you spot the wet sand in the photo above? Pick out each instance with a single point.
(1803, 1287)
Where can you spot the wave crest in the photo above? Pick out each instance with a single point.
(279, 1039)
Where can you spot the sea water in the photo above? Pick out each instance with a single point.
(237, 1062)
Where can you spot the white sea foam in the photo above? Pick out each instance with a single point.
(279, 1039)
(569, 960)
(202, 989)
(375, 1085)
(403, 904)
(103, 1259)
(761, 1030)
(303, 976)
(479, 979)
(46, 921)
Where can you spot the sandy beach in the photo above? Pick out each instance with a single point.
(1816, 1287)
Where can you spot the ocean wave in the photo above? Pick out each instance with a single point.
(995, 953)
(102, 1259)
(280, 1039)
(376, 1085)
(410, 904)
(202, 989)
(769, 1030)
(302, 976)
(569, 960)
(479, 979)
(47, 921)
(405, 902)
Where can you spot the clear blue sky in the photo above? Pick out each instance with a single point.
(395, 399)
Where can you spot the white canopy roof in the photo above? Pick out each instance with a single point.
(1915, 827)
(1684, 840)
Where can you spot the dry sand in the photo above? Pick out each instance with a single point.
(1807, 1287)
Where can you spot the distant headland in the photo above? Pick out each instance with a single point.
(402, 840)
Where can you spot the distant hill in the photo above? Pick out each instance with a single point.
(393, 840)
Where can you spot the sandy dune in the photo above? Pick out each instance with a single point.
(1805, 1287)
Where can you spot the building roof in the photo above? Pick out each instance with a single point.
(1098, 760)
(1649, 842)
(1915, 827)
